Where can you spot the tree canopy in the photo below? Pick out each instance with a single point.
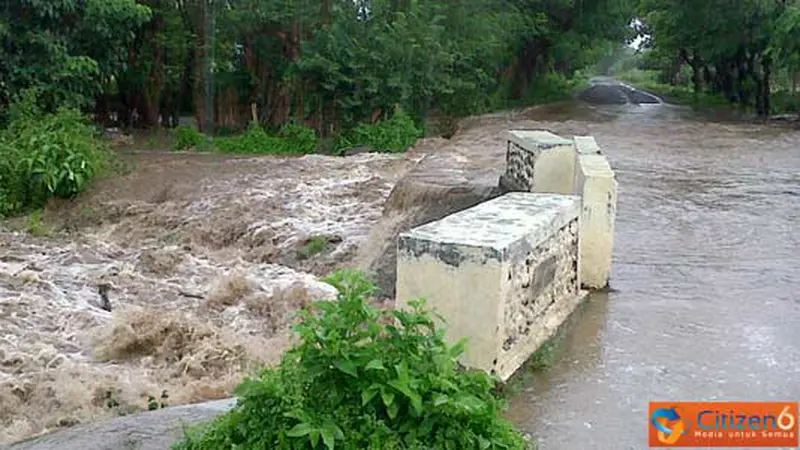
(336, 63)
(329, 64)
(735, 48)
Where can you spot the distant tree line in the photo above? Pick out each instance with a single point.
(333, 64)
(329, 64)
(745, 50)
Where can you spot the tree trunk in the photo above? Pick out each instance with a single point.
(766, 65)
(200, 55)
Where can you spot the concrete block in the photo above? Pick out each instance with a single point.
(596, 184)
(503, 274)
(539, 161)
(586, 145)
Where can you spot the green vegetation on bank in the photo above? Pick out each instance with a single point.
(396, 134)
(682, 94)
(46, 155)
(361, 378)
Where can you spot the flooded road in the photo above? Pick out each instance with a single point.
(706, 279)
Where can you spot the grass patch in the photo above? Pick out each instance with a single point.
(363, 378)
(647, 80)
(292, 139)
(313, 246)
(782, 100)
(394, 135)
(34, 224)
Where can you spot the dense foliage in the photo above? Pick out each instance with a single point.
(361, 378)
(299, 76)
(747, 51)
(330, 65)
(46, 155)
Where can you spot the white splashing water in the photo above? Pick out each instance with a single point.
(196, 294)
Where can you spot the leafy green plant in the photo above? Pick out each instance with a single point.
(292, 139)
(362, 378)
(188, 137)
(44, 156)
(394, 135)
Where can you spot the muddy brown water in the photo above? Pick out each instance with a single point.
(705, 274)
(706, 278)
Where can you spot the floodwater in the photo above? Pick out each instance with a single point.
(204, 259)
(706, 279)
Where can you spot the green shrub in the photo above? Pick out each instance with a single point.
(188, 137)
(785, 102)
(44, 156)
(394, 135)
(363, 379)
(292, 139)
(554, 87)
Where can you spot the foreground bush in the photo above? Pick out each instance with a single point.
(46, 155)
(363, 379)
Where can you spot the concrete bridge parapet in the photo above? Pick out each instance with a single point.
(508, 272)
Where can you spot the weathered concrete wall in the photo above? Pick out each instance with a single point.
(503, 274)
(595, 182)
(539, 161)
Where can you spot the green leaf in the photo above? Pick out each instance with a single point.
(387, 396)
(367, 395)
(347, 367)
(459, 348)
(416, 404)
(440, 399)
(375, 364)
(299, 430)
(328, 439)
(392, 410)
(401, 387)
(402, 372)
(469, 402)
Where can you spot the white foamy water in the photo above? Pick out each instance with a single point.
(193, 256)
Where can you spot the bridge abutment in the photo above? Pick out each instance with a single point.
(506, 273)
